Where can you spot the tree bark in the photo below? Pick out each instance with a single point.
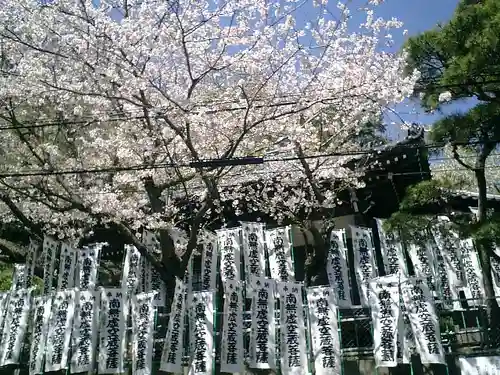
(492, 308)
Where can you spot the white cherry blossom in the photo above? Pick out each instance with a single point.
(150, 88)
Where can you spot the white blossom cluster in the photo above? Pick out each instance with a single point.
(163, 83)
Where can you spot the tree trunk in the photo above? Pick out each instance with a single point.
(315, 267)
(492, 308)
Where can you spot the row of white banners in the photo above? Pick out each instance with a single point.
(71, 311)
(449, 265)
(82, 320)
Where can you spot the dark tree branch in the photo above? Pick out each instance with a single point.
(459, 160)
(16, 255)
(29, 224)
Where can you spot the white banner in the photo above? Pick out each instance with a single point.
(391, 250)
(49, 259)
(85, 331)
(19, 277)
(114, 308)
(364, 261)
(171, 357)
(202, 317)
(4, 299)
(449, 259)
(31, 257)
(156, 283)
(447, 292)
(424, 261)
(324, 331)
(144, 276)
(253, 250)
(495, 273)
(232, 357)
(41, 315)
(475, 286)
(262, 339)
(16, 326)
(142, 333)
(229, 245)
(88, 263)
(423, 320)
(483, 365)
(293, 337)
(209, 265)
(279, 248)
(384, 299)
(60, 326)
(67, 268)
(131, 269)
(406, 340)
(157, 286)
(337, 269)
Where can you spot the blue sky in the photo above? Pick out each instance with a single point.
(418, 16)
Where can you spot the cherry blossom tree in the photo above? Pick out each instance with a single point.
(110, 110)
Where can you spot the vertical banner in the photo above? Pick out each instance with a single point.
(232, 356)
(391, 249)
(19, 276)
(114, 309)
(384, 299)
(403, 350)
(364, 261)
(171, 357)
(202, 317)
(67, 266)
(229, 245)
(41, 315)
(142, 333)
(131, 268)
(88, 263)
(279, 248)
(4, 299)
(144, 276)
(49, 259)
(31, 256)
(495, 273)
(424, 260)
(15, 327)
(324, 331)
(253, 250)
(337, 269)
(156, 283)
(406, 340)
(423, 320)
(450, 261)
(158, 286)
(60, 326)
(209, 264)
(448, 293)
(293, 337)
(475, 286)
(262, 339)
(85, 331)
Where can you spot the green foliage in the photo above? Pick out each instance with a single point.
(462, 56)
(462, 60)
(6, 276)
